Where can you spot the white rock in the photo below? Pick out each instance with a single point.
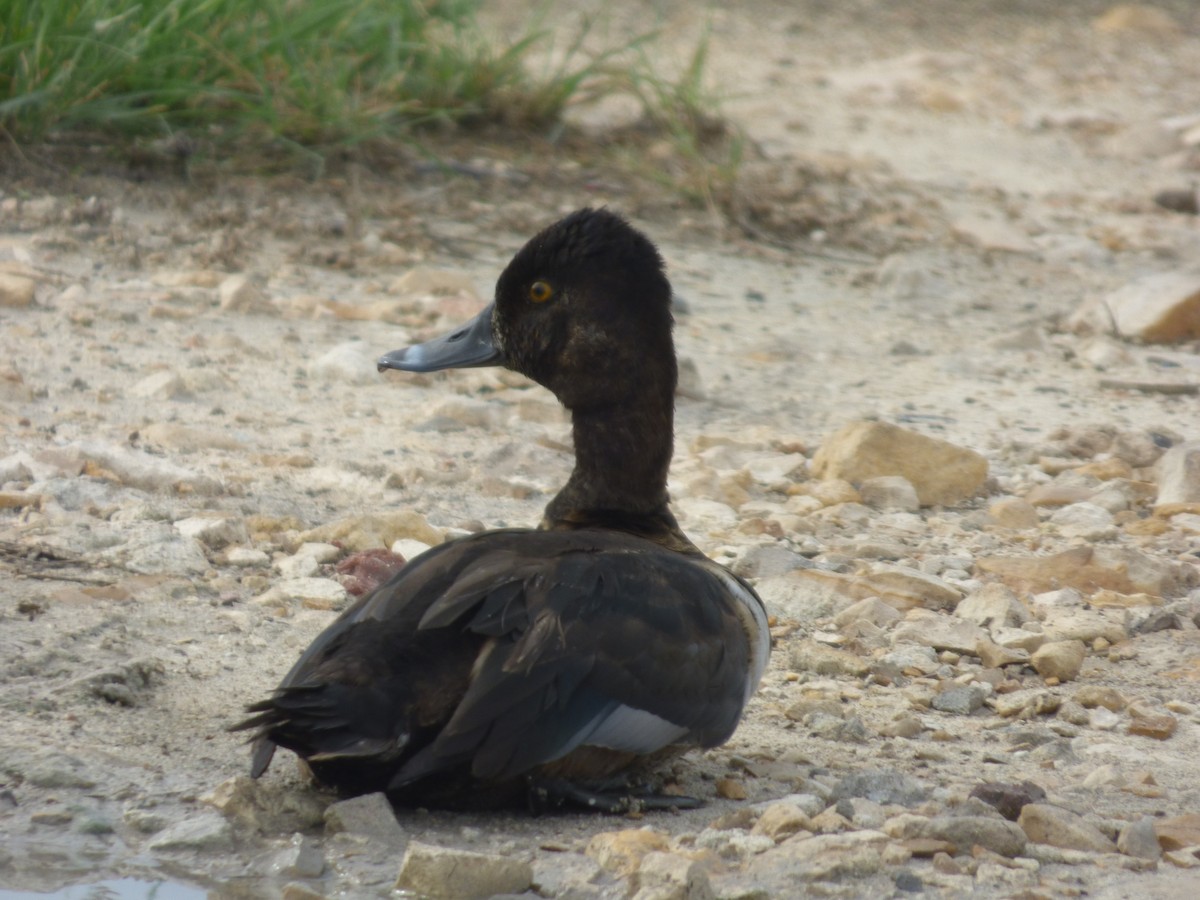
(1084, 520)
(214, 531)
(320, 592)
(409, 548)
(164, 385)
(775, 470)
(1179, 475)
(238, 293)
(246, 556)
(992, 605)
(350, 363)
(16, 290)
(889, 492)
(444, 872)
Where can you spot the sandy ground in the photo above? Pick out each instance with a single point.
(931, 189)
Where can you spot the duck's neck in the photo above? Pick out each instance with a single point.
(622, 456)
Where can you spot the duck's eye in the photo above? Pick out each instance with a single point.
(540, 292)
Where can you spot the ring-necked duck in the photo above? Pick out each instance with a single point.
(549, 665)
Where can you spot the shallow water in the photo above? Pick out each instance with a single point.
(114, 889)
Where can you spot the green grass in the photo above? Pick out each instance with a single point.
(317, 73)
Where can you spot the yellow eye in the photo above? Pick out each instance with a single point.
(540, 292)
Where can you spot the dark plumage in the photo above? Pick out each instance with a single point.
(542, 664)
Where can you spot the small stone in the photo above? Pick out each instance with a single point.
(889, 492)
(1085, 625)
(1018, 638)
(1139, 839)
(1177, 832)
(994, 656)
(295, 890)
(214, 531)
(349, 363)
(203, 831)
(16, 291)
(302, 858)
(313, 593)
(768, 561)
(444, 872)
(1059, 659)
(1138, 20)
(1084, 520)
(622, 852)
(246, 557)
(375, 530)
(941, 632)
(1183, 859)
(369, 814)
(995, 834)
(824, 857)
(238, 293)
(1092, 695)
(881, 786)
(993, 604)
(670, 876)
(780, 820)
(1158, 309)
(267, 807)
(1008, 799)
(941, 473)
(869, 609)
(164, 385)
(960, 699)
(1103, 719)
(1087, 569)
(1015, 513)
(809, 656)
(1046, 824)
(730, 789)
(1159, 727)
(1179, 479)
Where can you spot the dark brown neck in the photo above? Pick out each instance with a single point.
(622, 456)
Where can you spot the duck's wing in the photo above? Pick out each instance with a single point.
(346, 696)
(601, 640)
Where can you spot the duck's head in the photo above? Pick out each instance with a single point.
(583, 309)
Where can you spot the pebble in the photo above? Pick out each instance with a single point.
(238, 293)
(1046, 824)
(246, 557)
(1178, 832)
(1059, 659)
(1139, 839)
(313, 593)
(881, 786)
(621, 852)
(1084, 520)
(444, 872)
(767, 561)
(869, 609)
(203, 831)
(164, 385)
(1179, 480)
(1103, 719)
(140, 470)
(1015, 513)
(823, 857)
(302, 858)
(809, 656)
(1092, 695)
(992, 604)
(1085, 625)
(1160, 727)
(1158, 309)
(670, 876)
(994, 656)
(939, 631)
(941, 473)
(782, 819)
(349, 363)
(1018, 638)
(214, 531)
(374, 530)
(990, 832)
(961, 699)
(1087, 569)
(267, 807)
(1006, 798)
(889, 492)
(370, 815)
(16, 291)
(307, 560)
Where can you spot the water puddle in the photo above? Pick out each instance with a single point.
(114, 889)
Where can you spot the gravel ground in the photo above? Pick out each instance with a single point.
(194, 435)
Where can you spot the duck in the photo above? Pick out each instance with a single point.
(561, 666)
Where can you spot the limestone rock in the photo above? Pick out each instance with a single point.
(622, 852)
(16, 290)
(992, 604)
(349, 363)
(1084, 520)
(994, 656)
(1014, 512)
(1059, 659)
(1179, 479)
(940, 632)
(445, 872)
(990, 832)
(375, 530)
(203, 831)
(269, 807)
(671, 876)
(823, 857)
(1158, 309)
(1085, 625)
(889, 492)
(781, 820)
(162, 385)
(1087, 569)
(238, 293)
(941, 473)
(370, 815)
(214, 531)
(1139, 839)
(1046, 824)
(1177, 832)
